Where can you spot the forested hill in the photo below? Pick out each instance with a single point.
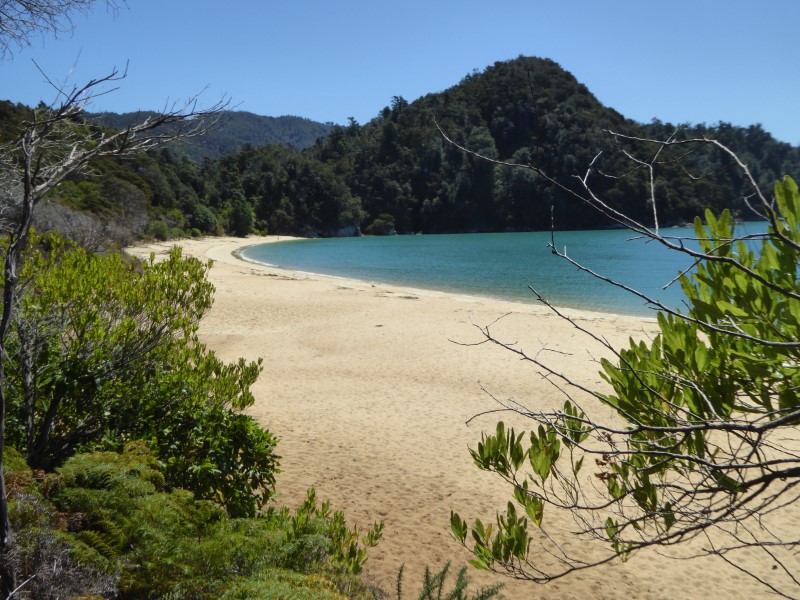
(397, 173)
(236, 129)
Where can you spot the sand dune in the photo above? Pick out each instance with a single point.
(369, 389)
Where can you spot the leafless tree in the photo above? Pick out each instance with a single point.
(21, 20)
(55, 143)
(702, 455)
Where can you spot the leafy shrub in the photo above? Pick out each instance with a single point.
(106, 350)
(158, 230)
(203, 218)
(106, 523)
(241, 218)
(313, 532)
(382, 225)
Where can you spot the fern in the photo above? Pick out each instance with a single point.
(97, 541)
(107, 537)
(141, 541)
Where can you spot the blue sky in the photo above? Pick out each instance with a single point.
(679, 61)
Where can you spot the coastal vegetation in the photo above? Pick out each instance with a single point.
(700, 449)
(106, 350)
(396, 173)
(130, 464)
(128, 467)
(107, 524)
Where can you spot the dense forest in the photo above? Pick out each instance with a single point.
(398, 174)
(236, 129)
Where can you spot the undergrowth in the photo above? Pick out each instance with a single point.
(105, 525)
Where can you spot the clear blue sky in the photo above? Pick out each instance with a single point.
(677, 60)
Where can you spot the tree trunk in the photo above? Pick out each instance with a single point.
(9, 285)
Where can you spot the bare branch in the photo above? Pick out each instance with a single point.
(22, 20)
(54, 144)
(707, 446)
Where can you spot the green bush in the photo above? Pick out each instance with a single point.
(314, 532)
(433, 587)
(158, 230)
(241, 218)
(106, 350)
(109, 519)
(203, 218)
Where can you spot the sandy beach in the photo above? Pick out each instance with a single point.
(369, 388)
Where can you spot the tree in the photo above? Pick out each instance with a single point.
(704, 444)
(52, 145)
(241, 219)
(20, 20)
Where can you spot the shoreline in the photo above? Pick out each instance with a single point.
(369, 390)
(577, 313)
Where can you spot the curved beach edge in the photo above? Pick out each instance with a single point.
(230, 250)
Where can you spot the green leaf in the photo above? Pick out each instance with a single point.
(458, 526)
(479, 563)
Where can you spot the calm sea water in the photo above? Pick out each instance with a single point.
(500, 265)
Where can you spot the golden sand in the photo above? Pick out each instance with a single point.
(369, 388)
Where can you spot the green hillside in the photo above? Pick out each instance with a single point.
(397, 173)
(236, 129)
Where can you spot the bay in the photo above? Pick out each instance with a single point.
(502, 265)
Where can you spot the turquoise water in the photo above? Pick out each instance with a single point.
(499, 265)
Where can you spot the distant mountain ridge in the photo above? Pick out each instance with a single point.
(236, 129)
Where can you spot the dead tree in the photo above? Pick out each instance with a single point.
(21, 20)
(53, 145)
